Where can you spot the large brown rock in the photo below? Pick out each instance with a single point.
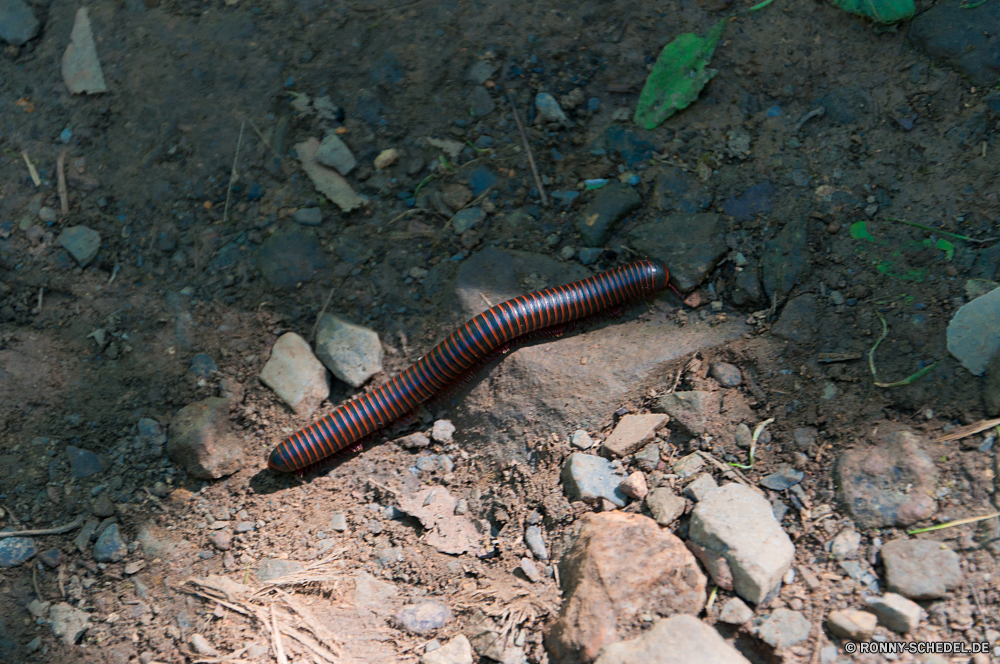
(620, 566)
(889, 483)
(202, 442)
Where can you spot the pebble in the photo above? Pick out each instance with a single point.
(480, 102)
(533, 538)
(86, 534)
(442, 431)
(295, 374)
(804, 438)
(81, 242)
(202, 366)
(456, 196)
(389, 555)
(103, 507)
(890, 483)
(423, 617)
(201, 440)
(47, 214)
(648, 458)
(386, 158)
(634, 486)
(784, 628)
(338, 522)
(530, 570)
(18, 24)
(334, 152)
(549, 108)
(797, 321)
(456, 651)
(84, 463)
(895, 612)
(738, 524)
(81, 70)
(689, 410)
(481, 71)
(222, 540)
(727, 375)
(632, 432)
(610, 204)
(352, 353)
(682, 639)
(784, 479)
(692, 244)
(974, 332)
(852, 624)
(160, 490)
(921, 569)
(467, 219)
(735, 612)
(581, 440)
(68, 622)
(289, 257)
(135, 567)
(589, 255)
(15, 550)
(414, 441)
(590, 478)
(110, 548)
(665, 506)
(701, 487)
(52, 557)
(567, 253)
(845, 544)
(311, 216)
(689, 465)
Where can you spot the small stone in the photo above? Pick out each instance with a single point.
(86, 534)
(442, 431)
(202, 646)
(386, 158)
(222, 540)
(784, 479)
(135, 567)
(456, 651)
(845, 544)
(160, 490)
(202, 442)
(245, 527)
(735, 612)
(311, 216)
(921, 569)
(682, 639)
(648, 458)
(590, 478)
(549, 108)
(334, 152)
(467, 219)
(530, 570)
(589, 255)
(272, 568)
(414, 441)
(896, 612)
(15, 550)
(480, 102)
(456, 196)
(423, 617)
(690, 410)
(581, 440)
(727, 375)
(689, 465)
(784, 628)
(47, 214)
(852, 624)
(352, 353)
(202, 365)
(18, 24)
(743, 436)
(634, 486)
(295, 374)
(533, 538)
(804, 437)
(110, 548)
(84, 463)
(81, 70)
(104, 507)
(665, 506)
(701, 487)
(632, 432)
(68, 622)
(338, 522)
(52, 558)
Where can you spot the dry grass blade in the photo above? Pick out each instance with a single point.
(276, 638)
(327, 569)
(325, 636)
(970, 430)
(510, 606)
(45, 531)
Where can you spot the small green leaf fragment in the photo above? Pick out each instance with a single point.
(859, 231)
(880, 11)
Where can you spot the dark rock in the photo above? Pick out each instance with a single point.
(84, 463)
(17, 24)
(481, 179)
(785, 260)
(289, 257)
(311, 216)
(15, 550)
(222, 540)
(798, 320)
(679, 191)
(414, 441)
(964, 38)
(202, 365)
(456, 196)
(727, 375)
(104, 507)
(784, 479)
(201, 440)
(109, 547)
(746, 290)
(480, 102)
(690, 410)
(52, 558)
(991, 386)
(626, 143)
(987, 265)
(890, 483)
(847, 105)
(423, 617)
(755, 201)
(590, 478)
(610, 204)
(690, 245)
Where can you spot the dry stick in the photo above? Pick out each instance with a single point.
(319, 317)
(279, 651)
(46, 531)
(527, 148)
(38, 593)
(32, 171)
(262, 139)
(232, 177)
(61, 182)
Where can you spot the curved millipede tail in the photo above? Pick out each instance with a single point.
(464, 349)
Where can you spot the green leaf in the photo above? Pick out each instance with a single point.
(859, 231)
(678, 76)
(880, 11)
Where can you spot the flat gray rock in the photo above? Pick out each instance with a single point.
(202, 442)
(351, 352)
(15, 550)
(896, 612)
(590, 478)
(974, 332)
(290, 256)
(468, 218)
(784, 628)
(921, 569)
(271, 568)
(632, 432)
(665, 505)
(81, 242)
(991, 386)
(690, 245)
(334, 153)
(480, 102)
(610, 204)
(423, 617)
(735, 612)
(690, 410)
(738, 524)
(84, 463)
(110, 547)
(295, 375)
(81, 70)
(798, 320)
(785, 260)
(961, 37)
(17, 23)
(682, 639)
(68, 622)
(456, 651)
(311, 216)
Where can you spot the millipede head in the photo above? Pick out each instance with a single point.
(660, 275)
(279, 459)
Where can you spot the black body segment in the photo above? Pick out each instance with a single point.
(367, 413)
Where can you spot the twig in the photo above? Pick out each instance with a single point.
(319, 316)
(279, 651)
(114, 273)
(232, 177)
(815, 113)
(400, 216)
(156, 501)
(34, 581)
(952, 524)
(61, 182)
(32, 171)
(677, 380)
(489, 304)
(970, 430)
(527, 148)
(46, 531)
(263, 140)
(59, 580)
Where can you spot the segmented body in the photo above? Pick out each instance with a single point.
(453, 358)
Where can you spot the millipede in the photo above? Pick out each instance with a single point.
(487, 335)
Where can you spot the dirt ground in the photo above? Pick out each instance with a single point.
(149, 166)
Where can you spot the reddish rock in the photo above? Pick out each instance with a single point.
(632, 432)
(620, 566)
(202, 442)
